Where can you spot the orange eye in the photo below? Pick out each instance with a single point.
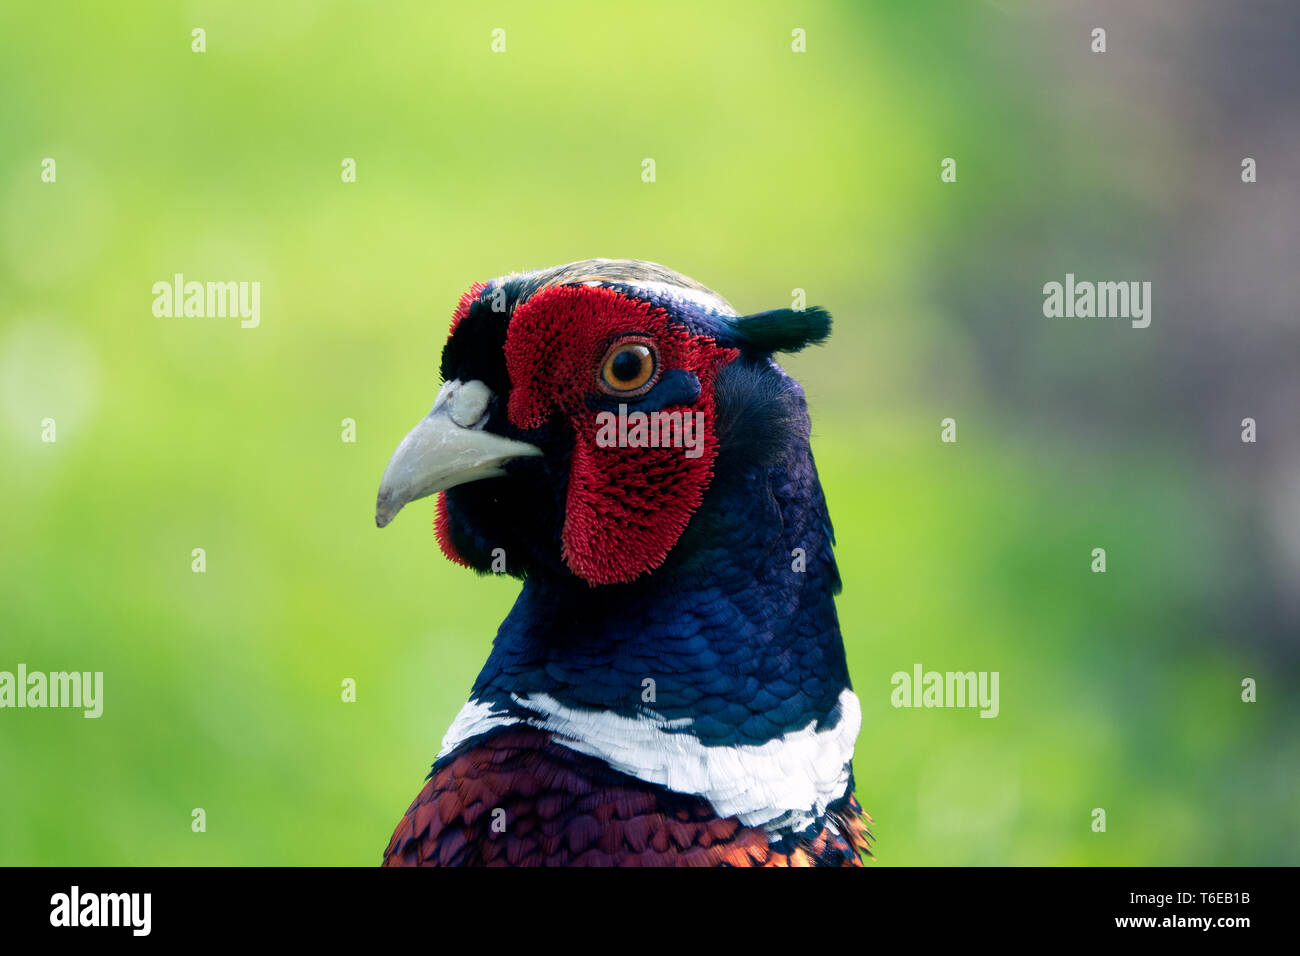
(628, 367)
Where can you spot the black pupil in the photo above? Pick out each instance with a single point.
(626, 366)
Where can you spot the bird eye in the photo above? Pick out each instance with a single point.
(628, 368)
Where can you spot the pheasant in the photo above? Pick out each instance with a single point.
(670, 687)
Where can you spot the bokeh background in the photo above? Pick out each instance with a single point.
(775, 171)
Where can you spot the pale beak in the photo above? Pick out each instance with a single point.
(447, 448)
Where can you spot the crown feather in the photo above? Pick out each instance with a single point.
(782, 330)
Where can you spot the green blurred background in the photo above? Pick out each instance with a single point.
(775, 171)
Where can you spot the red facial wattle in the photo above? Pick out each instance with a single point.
(442, 531)
(625, 507)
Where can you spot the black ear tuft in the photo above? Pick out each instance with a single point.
(782, 330)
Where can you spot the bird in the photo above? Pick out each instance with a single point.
(670, 687)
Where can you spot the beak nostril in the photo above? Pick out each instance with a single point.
(467, 403)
